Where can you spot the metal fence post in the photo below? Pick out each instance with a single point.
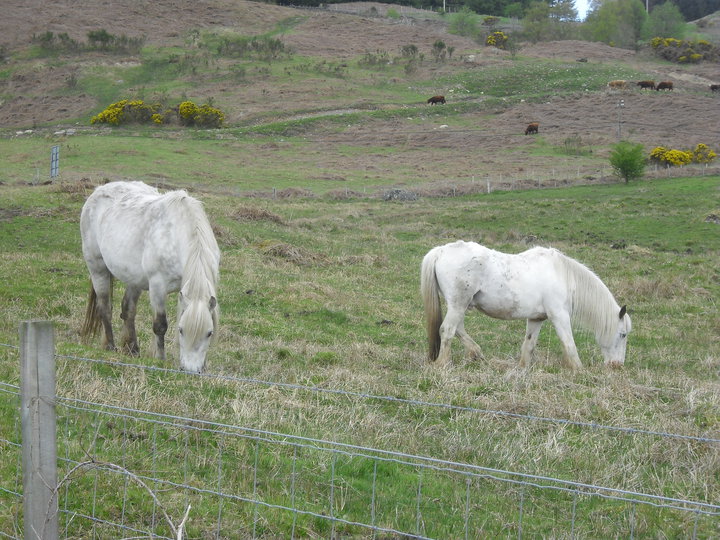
(37, 394)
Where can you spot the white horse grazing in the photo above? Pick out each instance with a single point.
(536, 285)
(153, 242)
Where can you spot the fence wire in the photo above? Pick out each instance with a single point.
(129, 473)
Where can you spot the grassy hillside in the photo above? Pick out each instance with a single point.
(324, 292)
(320, 274)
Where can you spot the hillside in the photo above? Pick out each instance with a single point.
(60, 91)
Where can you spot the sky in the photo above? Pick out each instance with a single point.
(582, 7)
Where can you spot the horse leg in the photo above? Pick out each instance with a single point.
(564, 332)
(448, 329)
(160, 324)
(472, 349)
(103, 283)
(128, 337)
(528, 346)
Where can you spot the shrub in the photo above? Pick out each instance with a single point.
(627, 160)
(126, 112)
(439, 50)
(497, 39)
(677, 158)
(703, 154)
(685, 51)
(137, 111)
(378, 59)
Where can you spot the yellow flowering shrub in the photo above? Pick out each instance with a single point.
(703, 154)
(187, 111)
(112, 115)
(203, 116)
(137, 111)
(657, 154)
(497, 39)
(125, 112)
(685, 51)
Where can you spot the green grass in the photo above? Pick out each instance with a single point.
(343, 312)
(547, 76)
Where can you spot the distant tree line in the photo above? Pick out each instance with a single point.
(690, 9)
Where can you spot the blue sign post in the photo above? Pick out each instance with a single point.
(54, 161)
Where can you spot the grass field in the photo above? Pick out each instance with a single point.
(321, 340)
(324, 293)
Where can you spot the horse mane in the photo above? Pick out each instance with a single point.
(200, 273)
(592, 305)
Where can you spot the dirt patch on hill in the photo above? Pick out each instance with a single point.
(679, 119)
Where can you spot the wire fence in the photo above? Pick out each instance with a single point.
(127, 472)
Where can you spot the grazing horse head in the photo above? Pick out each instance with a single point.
(613, 349)
(197, 324)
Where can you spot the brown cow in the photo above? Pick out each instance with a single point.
(646, 84)
(665, 85)
(436, 99)
(532, 128)
(715, 87)
(617, 85)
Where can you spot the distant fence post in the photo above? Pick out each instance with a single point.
(37, 394)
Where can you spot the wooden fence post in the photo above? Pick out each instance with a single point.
(37, 394)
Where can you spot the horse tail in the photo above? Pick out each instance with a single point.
(92, 322)
(431, 299)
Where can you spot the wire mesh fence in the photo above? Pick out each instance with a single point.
(126, 472)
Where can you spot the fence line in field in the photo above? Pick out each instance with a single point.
(404, 401)
(254, 478)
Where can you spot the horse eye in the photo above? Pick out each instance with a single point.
(210, 333)
(181, 331)
(623, 336)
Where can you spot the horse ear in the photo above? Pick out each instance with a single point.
(213, 302)
(623, 311)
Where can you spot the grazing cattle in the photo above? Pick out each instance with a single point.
(436, 99)
(532, 128)
(646, 84)
(617, 85)
(715, 87)
(665, 85)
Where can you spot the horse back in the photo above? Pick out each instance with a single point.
(135, 232)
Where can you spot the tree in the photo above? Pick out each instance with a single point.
(616, 23)
(543, 21)
(536, 23)
(464, 23)
(627, 160)
(664, 21)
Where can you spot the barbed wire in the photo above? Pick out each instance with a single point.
(404, 401)
(367, 452)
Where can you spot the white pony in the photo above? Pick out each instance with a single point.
(153, 242)
(536, 285)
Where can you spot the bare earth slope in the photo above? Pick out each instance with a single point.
(689, 115)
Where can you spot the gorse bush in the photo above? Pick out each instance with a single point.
(497, 39)
(685, 51)
(138, 112)
(202, 116)
(677, 158)
(126, 112)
